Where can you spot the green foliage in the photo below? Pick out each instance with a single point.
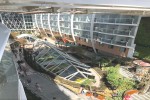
(143, 34)
(143, 52)
(117, 80)
(86, 82)
(105, 62)
(113, 76)
(16, 44)
(142, 39)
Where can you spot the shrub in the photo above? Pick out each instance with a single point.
(105, 62)
(117, 80)
(86, 82)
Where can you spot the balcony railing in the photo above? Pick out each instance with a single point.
(85, 36)
(112, 41)
(114, 31)
(116, 20)
(122, 43)
(106, 40)
(65, 19)
(81, 20)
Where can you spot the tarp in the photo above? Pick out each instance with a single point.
(141, 63)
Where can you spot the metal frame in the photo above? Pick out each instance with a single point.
(72, 63)
(50, 26)
(58, 22)
(91, 32)
(36, 23)
(24, 21)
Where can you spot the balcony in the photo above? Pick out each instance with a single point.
(65, 19)
(114, 31)
(122, 32)
(122, 43)
(82, 20)
(85, 36)
(116, 20)
(53, 19)
(106, 40)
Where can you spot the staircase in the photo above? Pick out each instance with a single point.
(126, 73)
(145, 96)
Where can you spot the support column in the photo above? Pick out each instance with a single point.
(49, 25)
(72, 30)
(91, 32)
(42, 25)
(24, 22)
(131, 50)
(1, 18)
(58, 22)
(36, 22)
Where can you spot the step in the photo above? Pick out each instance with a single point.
(141, 97)
(137, 97)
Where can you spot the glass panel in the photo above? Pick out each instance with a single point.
(69, 71)
(49, 60)
(44, 55)
(60, 67)
(77, 76)
(41, 51)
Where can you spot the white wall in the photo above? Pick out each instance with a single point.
(4, 35)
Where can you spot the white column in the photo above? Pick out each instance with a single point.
(5, 32)
(36, 22)
(58, 22)
(42, 24)
(24, 22)
(131, 50)
(49, 25)
(91, 32)
(136, 29)
(41, 20)
(1, 19)
(72, 30)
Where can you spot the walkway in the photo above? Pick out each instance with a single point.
(97, 77)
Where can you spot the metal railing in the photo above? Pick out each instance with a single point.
(116, 20)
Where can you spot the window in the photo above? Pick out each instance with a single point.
(110, 46)
(122, 49)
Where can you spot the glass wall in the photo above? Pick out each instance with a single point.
(82, 24)
(65, 24)
(54, 23)
(13, 20)
(58, 63)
